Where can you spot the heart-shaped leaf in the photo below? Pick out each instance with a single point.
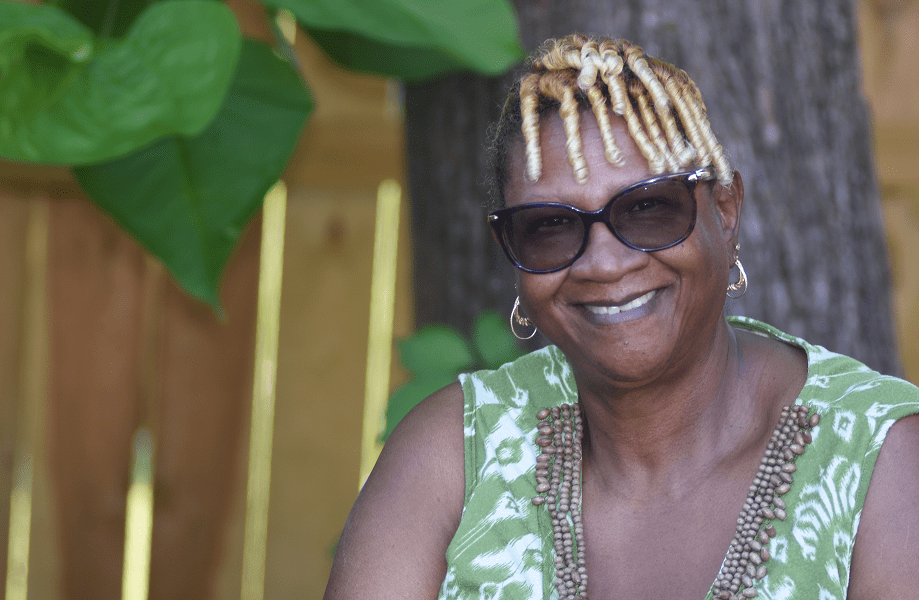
(412, 39)
(493, 340)
(434, 351)
(187, 199)
(68, 97)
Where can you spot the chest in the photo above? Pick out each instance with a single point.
(669, 548)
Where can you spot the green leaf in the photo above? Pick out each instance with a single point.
(434, 351)
(110, 18)
(493, 340)
(187, 199)
(23, 25)
(406, 397)
(413, 39)
(69, 98)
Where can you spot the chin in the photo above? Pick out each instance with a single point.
(620, 363)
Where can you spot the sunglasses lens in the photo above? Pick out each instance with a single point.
(654, 216)
(544, 238)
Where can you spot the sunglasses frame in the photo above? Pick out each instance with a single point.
(497, 219)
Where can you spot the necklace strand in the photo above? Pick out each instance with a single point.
(558, 485)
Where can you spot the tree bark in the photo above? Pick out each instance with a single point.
(782, 83)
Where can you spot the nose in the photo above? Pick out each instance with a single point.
(606, 258)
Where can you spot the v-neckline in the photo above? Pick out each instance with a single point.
(801, 400)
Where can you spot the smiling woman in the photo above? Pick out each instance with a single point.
(657, 449)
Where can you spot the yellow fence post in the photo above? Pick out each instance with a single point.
(32, 399)
(263, 393)
(382, 310)
(138, 535)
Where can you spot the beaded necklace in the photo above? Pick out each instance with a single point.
(558, 483)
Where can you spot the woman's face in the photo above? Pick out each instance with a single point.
(626, 316)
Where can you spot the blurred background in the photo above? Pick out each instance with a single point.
(97, 340)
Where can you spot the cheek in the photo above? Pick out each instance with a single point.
(537, 292)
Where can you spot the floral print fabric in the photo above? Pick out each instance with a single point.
(503, 548)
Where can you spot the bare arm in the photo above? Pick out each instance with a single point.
(885, 560)
(394, 542)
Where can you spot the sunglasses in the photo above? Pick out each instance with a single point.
(544, 237)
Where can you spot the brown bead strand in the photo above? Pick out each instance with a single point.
(560, 436)
(745, 562)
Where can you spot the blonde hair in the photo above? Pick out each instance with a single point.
(662, 108)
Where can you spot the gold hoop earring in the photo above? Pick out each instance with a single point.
(741, 284)
(515, 316)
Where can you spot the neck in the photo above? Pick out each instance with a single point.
(663, 432)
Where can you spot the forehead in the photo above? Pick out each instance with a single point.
(557, 181)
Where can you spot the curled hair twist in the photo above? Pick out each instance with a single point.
(688, 119)
(713, 150)
(530, 125)
(654, 133)
(610, 149)
(591, 63)
(562, 88)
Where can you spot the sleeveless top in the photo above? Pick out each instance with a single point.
(503, 548)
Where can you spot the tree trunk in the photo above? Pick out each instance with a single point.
(782, 83)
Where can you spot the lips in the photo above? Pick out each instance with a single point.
(621, 308)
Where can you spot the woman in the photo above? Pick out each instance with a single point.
(658, 449)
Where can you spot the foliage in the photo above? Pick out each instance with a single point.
(71, 97)
(189, 197)
(412, 39)
(437, 354)
(177, 128)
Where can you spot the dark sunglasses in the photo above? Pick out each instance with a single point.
(543, 237)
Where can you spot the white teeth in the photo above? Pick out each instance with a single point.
(612, 310)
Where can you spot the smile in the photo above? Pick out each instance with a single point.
(615, 310)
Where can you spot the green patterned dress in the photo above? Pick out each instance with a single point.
(503, 548)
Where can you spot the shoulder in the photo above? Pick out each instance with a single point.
(839, 381)
(426, 446)
(885, 559)
(395, 540)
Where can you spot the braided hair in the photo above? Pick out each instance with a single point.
(660, 104)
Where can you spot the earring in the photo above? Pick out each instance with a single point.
(515, 316)
(741, 284)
